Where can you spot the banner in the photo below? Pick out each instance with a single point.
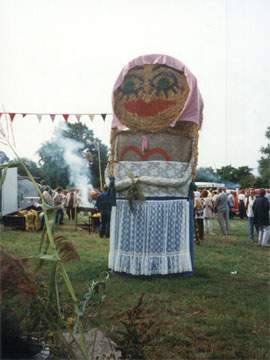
(52, 116)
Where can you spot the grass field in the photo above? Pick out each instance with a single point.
(221, 312)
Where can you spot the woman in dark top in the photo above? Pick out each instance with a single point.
(261, 217)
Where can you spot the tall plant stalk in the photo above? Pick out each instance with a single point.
(58, 264)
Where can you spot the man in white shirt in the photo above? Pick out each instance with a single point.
(59, 204)
(47, 197)
(250, 215)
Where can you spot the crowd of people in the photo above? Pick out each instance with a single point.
(67, 201)
(249, 204)
(62, 200)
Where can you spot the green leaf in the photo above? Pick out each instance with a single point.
(49, 257)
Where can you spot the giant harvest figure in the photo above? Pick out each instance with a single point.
(154, 146)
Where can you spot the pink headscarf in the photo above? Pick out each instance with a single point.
(192, 110)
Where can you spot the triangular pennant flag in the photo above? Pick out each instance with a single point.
(12, 115)
(23, 115)
(1, 114)
(78, 116)
(65, 116)
(52, 116)
(103, 116)
(92, 117)
(39, 116)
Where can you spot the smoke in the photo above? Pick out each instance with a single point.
(207, 174)
(78, 166)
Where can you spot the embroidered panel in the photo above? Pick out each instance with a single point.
(157, 178)
(140, 147)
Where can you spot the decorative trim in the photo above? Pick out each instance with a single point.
(144, 155)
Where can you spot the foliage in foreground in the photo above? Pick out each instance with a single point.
(221, 312)
(53, 251)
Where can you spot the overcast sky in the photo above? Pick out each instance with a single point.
(63, 56)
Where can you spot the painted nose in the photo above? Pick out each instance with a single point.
(148, 90)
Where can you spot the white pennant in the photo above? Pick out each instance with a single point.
(39, 116)
(92, 116)
(78, 117)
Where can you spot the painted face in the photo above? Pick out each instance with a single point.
(150, 97)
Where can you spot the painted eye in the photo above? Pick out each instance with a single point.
(131, 85)
(165, 82)
(128, 87)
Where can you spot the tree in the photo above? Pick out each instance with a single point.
(31, 166)
(264, 162)
(3, 157)
(52, 159)
(245, 176)
(54, 168)
(242, 175)
(228, 173)
(80, 133)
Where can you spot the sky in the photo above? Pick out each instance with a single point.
(63, 56)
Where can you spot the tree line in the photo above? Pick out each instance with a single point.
(242, 175)
(52, 167)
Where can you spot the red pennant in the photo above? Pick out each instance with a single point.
(12, 115)
(52, 116)
(65, 116)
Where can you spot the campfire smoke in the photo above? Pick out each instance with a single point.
(78, 165)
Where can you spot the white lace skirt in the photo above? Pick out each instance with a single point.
(154, 238)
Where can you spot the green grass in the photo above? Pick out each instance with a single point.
(211, 315)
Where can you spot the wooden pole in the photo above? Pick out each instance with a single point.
(76, 217)
(99, 167)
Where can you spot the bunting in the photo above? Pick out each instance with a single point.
(52, 116)
(65, 116)
(12, 116)
(39, 116)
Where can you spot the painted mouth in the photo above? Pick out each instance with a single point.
(153, 107)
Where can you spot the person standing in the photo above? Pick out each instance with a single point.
(222, 211)
(261, 217)
(231, 204)
(59, 204)
(48, 199)
(207, 212)
(103, 204)
(241, 204)
(71, 203)
(250, 215)
(198, 216)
